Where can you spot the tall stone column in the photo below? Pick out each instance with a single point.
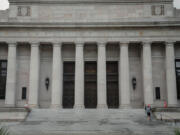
(101, 76)
(170, 74)
(11, 76)
(34, 75)
(147, 74)
(57, 77)
(124, 76)
(79, 77)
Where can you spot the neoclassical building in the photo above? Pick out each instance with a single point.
(90, 53)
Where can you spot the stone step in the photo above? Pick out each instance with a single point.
(55, 115)
(90, 122)
(13, 114)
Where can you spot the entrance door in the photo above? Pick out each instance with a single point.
(68, 84)
(90, 85)
(3, 75)
(178, 78)
(112, 84)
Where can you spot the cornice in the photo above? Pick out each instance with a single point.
(90, 24)
(85, 1)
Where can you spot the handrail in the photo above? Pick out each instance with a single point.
(167, 116)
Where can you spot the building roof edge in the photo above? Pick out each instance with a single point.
(89, 1)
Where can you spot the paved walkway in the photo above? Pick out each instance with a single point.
(90, 122)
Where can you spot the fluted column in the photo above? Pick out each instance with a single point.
(124, 76)
(11, 76)
(57, 77)
(170, 74)
(34, 75)
(147, 74)
(101, 76)
(79, 76)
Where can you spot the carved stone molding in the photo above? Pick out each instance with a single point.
(24, 11)
(157, 10)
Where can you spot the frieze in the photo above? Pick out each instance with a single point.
(24, 11)
(157, 10)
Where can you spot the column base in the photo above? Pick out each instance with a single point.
(79, 106)
(10, 105)
(102, 106)
(55, 106)
(172, 105)
(33, 106)
(125, 106)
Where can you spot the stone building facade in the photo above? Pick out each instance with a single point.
(89, 53)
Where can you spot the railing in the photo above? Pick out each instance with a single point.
(174, 120)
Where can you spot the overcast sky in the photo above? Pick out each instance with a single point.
(4, 4)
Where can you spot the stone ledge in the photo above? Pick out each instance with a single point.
(169, 109)
(8, 114)
(12, 109)
(87, 1)
(170, 114)
(89, 24)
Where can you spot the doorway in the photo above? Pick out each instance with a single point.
(68, 84)
(112, 84)
(90, 84)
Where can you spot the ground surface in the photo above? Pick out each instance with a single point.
(88, 122)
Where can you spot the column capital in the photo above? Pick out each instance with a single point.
(12, 44)
(169, 43)
(101, 44)
(124, 43)
(79, 44)
(57, 44)
(35, 44)
(144, 43)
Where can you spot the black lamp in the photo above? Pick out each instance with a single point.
(134, 83)
(47, 83)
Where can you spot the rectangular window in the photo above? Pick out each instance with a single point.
(3, 74)
(24, 91)
(178, 77)
(157, 91)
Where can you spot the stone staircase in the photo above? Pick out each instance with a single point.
(170, 114)
(90, 122)
(13, 114)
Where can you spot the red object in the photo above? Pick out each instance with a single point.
(165, 104)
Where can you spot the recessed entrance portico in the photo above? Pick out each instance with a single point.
(112, 91)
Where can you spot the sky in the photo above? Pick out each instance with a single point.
(4, 4)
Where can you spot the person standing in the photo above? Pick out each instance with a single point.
(148, 111)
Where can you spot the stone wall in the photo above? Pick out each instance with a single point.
(73, 13)
(177, 12)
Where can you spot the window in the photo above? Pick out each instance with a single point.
(3, 74)
(178, 77)
(157, 91)
(24, 91)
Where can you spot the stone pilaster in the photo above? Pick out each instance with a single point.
(170, 75)
(57, 77)
(79, 76)
(101, 76)
(124, 76)
(11, 76)
(34, 75)
(147, 74)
